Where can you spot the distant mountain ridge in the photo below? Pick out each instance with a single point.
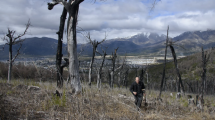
(34, 47)
(140, 44)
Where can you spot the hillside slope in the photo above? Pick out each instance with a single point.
(190, 68)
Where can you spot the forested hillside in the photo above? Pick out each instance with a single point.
(190, 68)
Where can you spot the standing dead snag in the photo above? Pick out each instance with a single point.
(100, 70)
(120, 72)
(142, 72)
(164, 67)
(59, 54)
(113, 70)
(72, 8)
(113, 59)
(11, 40)
(94, 44)
(205, 59)
(180, 85)
(170, 44)
(125, 80)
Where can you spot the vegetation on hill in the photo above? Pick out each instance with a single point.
(190, 68)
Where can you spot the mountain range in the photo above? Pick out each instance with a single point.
(150, 44)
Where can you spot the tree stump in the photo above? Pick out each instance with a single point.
(199, 102)
(190, 100)
(178, 95)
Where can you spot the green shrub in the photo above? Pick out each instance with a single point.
(60, 101)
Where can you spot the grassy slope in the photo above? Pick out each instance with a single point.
(18, 102)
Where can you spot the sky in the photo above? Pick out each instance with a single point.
(116, 18)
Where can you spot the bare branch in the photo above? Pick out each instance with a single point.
(51, 5)
(55, 2)
(153, 4)
(82, 50)
(89, 38)
(17, 52)
(104, 51)
(98, 52)
(4, 46)
(76, 1)
(19, 36)
(121, 65)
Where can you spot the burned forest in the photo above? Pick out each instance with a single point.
(107, 60)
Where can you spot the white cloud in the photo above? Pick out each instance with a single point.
(119, 18)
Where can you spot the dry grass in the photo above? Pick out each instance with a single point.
(19, 101)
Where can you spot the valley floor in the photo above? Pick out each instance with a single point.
(21, 100)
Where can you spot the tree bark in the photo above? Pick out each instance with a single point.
(72, 45)
(10, 61)
(112, 79)
(113, 67)
(100, 71)
(72, 50)
(91, 65)
(177, 70)
(142, 75)
(164, 67)
(119, 79)
(204, 70)
(125, 79)
(59, 54)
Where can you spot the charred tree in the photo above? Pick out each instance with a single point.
(94, 44)
(99, 74)
(113, 70)
(11, 40)
(125, 80)
(113, 59)
(119, 79)
(59, 54)
(142, 73)
(164, 67)
(205, 59)
(190, 86)
(72, 8)
(180, 86)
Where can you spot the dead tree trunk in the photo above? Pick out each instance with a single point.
(10, 61)
(181, 86)
(190, 86)
(109, 77)
(59, 54)
(72, 8)
(115, 70)
(91, 66)
(142, 75)
(164, 67)
(113, 58)
(119, 79)
(94, 44)
(204, 70)
(11, 40)
(205, 59)
(125, 80)
(100, 71)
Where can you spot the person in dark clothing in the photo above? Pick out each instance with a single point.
(138, 89)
